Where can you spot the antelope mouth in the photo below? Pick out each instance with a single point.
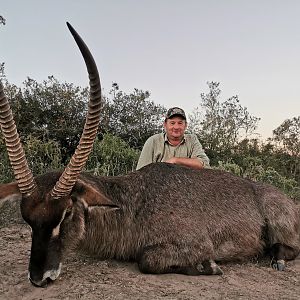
(48, 277)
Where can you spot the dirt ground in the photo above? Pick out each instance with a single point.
(88, 278)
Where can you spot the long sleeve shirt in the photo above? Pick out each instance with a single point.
(158, 149)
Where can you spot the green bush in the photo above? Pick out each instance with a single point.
(112, 156)
(6, 173)
(229, 167)
(288, 186)
(257, 172)
(42, 156)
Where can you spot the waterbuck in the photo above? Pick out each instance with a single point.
(165, 217)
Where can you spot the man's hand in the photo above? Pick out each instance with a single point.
(193, 163)
(172, 160)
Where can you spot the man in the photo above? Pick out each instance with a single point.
(174, 146)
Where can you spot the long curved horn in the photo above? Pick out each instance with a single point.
(23, 175)
(68, 178)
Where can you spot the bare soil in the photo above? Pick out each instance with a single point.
(88, 278)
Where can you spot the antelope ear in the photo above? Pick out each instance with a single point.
(89, 194)
(9, 190)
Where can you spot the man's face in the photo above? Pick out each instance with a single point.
(175, 128)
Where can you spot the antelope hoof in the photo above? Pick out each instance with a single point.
(209, 267)
(279, 265)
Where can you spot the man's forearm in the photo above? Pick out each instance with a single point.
(194, 163)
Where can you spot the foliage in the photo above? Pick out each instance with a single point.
(42, 156)
(2, 20)
(133, 117)
(287, 139)
(257, 172)
(49, 111)
(288, 186)
(288, 135)
(221, 125)
(112, 156)
(2, 76)
(226, 131)
(6, 173)
(229, 166)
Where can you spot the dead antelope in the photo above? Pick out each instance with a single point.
(166, 217)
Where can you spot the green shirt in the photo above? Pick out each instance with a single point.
(158, 149)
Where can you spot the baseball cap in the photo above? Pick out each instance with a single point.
(175, 111)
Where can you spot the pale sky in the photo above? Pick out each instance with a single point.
(171, 48)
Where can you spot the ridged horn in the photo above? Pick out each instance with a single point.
(69, 176)
(16, 154)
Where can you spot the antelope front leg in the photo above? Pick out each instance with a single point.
(160, 259)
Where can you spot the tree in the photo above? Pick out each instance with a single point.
(287, 137)
(50, 111)
(6, 172)
(254, 169)
(42, 156)
(2, 75)
(2, 20)
(133, 117)
(112, 156)
(221, 125)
